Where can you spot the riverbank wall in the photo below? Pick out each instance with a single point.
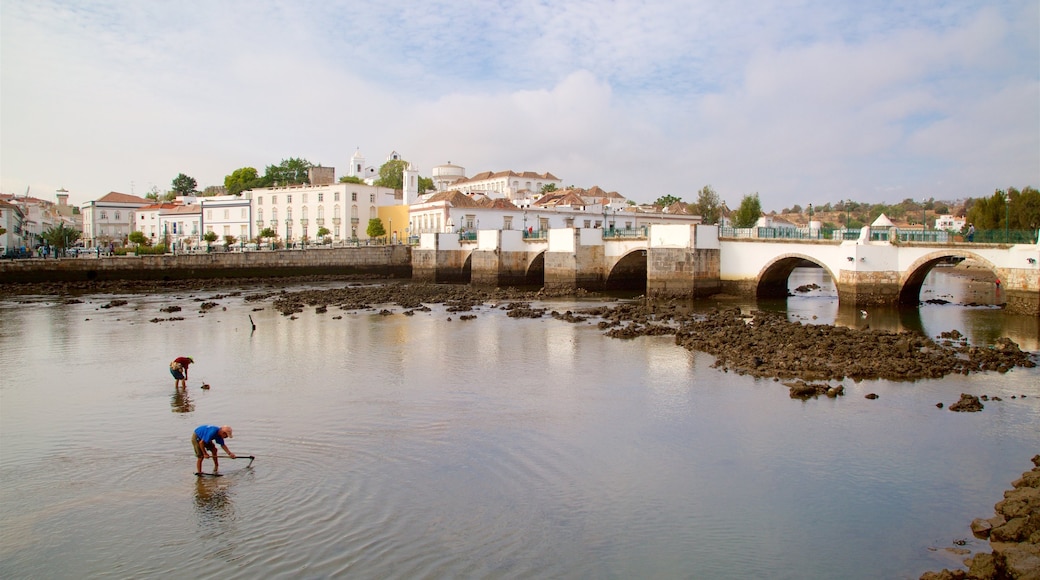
(392, 261)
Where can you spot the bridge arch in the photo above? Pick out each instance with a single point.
(773, 277)
(534, 273)
(913, 278)
(628, 272)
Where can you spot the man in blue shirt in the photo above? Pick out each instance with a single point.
(204, 441)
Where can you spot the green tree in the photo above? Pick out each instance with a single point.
(1025, 209)
(375, 228)
(242, 179)
(709, 206)
(267, 234)
(230, 240)
(323, 233)
(351, 179)
(291, 171)
(138, 238)
(184, 185)
(210, 237)
(749, 211)
(548, 187)
(666, 200)
(60, 236)
(391, 174)
(425, 184)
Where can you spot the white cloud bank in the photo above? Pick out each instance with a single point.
(801, 102)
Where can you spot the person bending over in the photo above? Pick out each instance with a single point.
(204, 441)
(179, 370)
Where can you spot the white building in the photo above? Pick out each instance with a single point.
(11, 222)
(229, 216)
(181, 225)
(110, 219)
(510, 185)
(146, 221)
(949, 223)
(295, 213)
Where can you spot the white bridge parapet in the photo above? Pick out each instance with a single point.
(693, 260)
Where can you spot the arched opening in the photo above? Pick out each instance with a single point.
(795, 276)
(952, 278)
(535, 275)
(629, 273)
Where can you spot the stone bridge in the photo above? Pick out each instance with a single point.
(682, 260)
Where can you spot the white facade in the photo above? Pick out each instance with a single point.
(295, 213)
(949, 223)
(11, 222)
(228, 216)
(110, 219)
(181, 225)
(507, 184)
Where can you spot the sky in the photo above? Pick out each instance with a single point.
(798, 101)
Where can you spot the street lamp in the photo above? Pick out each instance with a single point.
(924, 217)
(1007, 216)
(847, 202)
(525, 223)
(391, 230)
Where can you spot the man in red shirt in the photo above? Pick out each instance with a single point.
(179, 370)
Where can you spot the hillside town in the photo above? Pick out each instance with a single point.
(326, 210)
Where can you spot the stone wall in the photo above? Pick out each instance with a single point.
(389, 261)
(682, 272)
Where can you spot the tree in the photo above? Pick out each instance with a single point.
(323, 233)
(242, 179)
(749, 211)
(375, 228)
(391, 174)
(267, 233)
(426, 184)
(184, 185)
(138, 238)
(291, 171)
(666, 200)
(351, 179)
(210, 237)
(60, 236)
(230, 240)
(708, 205)
(548, 187)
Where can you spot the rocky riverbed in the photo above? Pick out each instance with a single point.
(1013, 533)
(759, 344)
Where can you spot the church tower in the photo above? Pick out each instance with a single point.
(357, 165)
(410, 184)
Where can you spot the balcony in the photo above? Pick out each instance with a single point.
(336, 221)
(320, 221)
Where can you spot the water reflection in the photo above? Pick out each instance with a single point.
(180, 402)
(214, 507)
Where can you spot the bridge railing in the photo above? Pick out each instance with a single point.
(536, 234)
(803, 233)
(1005, 236)
(467, 236)
(621, 233)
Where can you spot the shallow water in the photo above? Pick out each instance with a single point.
(417, 447)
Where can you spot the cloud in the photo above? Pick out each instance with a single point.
(800, 101)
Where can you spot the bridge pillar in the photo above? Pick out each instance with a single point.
(683, 261)
(500, 259)
(439, 258)
(868, 288)
(1021, 286)
(574, 259)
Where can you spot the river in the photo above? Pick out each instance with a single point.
(393, 446)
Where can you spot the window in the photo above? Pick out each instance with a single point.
(353, 196)
(117, 215)
(321, 197)
(274, 199)
(335, 196)
(227, 214)
(259, 215)
(227, 231)
(243, 213)
(288, 213)
(209, 215)
(304, 216)
(305, 198)
(321, 212)
(507, 222)
(288, 198)
(259, 200)
(104, 215)
(371, 199)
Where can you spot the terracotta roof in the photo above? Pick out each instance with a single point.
(455, 198)
(502, 203)
(485, 175)
(185, 209)
(116, 197)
